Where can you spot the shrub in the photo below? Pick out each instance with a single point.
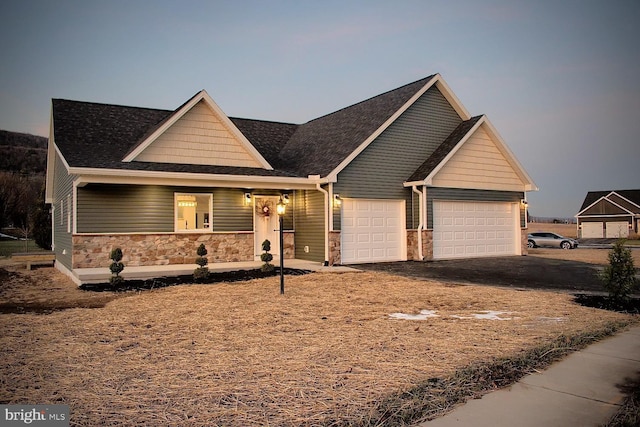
(619, 276)
(266, 257)
(116, 267)
(201, 273)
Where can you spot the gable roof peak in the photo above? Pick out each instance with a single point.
(425, 80)
(202, 96)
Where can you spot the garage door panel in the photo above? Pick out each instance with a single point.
(592, 230)
(470, 229)
(617, 229)
(378, 227)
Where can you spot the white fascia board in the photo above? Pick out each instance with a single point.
(623, 198)
(604, 216)
(452, 98)
(51, 150)
(615, 204)
(529, 185)
(590, 206)
(429, 179)
(118, 176)
(333, 175)
(200, 96)
(604, 198)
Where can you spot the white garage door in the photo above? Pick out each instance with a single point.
(592, 230)
(372, 231)
(617, 229)
(475, 229)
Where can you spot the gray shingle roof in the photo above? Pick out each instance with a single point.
(94, 135)
(319, 146)
(593, 196)
(443, 149)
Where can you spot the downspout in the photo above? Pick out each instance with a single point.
(421, 224)
(326, 222)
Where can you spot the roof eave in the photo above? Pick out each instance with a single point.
(86, 176)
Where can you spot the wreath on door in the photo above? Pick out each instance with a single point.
(264, 208)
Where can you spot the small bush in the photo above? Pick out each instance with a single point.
(201, 273)
(619, 276)
(266, 257)
(116, 267)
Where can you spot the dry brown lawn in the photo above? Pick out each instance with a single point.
(326, 353)
(591, 256)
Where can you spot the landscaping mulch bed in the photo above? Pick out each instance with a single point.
(214, 277)
(327, 353)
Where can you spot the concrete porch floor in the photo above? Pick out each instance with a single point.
(102, 274)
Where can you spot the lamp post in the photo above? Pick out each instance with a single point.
(281, 208)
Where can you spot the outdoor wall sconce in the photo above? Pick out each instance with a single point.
(336, 200)
(524, 202)
(285, 198)
(247, 198)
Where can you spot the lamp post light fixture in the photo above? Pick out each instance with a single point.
(281, 208)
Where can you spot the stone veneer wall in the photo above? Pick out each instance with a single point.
(335, 256)
(412, 245)
(523, 241)
(92, 251)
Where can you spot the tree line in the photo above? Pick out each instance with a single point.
(22, 182)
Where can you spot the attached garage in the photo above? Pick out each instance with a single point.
(592, 230)
(373, 231)
(465, 229)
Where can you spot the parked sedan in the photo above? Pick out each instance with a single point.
(550, 239)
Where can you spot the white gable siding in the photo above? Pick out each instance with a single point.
(478, 164)
(199, 137)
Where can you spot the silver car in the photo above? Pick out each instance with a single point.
(550, 239)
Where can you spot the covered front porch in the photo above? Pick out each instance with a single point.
(102, 274)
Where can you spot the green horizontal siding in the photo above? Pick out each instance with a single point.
(381, 169)
(309, 225)
(150, 209)
(126, 209)
(230, 212)
(62, 189)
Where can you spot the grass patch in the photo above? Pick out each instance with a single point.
(10, 246)
(629, 413)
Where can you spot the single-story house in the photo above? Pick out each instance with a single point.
(405, 175)
(609, 214)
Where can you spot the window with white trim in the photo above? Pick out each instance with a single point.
(193, 212)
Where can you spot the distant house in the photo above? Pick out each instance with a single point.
(609, 214)
(408, 174)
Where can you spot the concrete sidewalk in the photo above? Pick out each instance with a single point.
(581, 390)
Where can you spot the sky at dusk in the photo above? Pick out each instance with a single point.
(560, 80)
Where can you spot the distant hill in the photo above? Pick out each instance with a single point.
(23, 153)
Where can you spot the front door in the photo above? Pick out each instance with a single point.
(265, 225)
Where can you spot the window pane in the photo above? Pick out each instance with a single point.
(193, 212)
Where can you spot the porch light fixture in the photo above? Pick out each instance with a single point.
(281, 208)
(285, 198)
(247, 198)
(524, 202)
(336, 200)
